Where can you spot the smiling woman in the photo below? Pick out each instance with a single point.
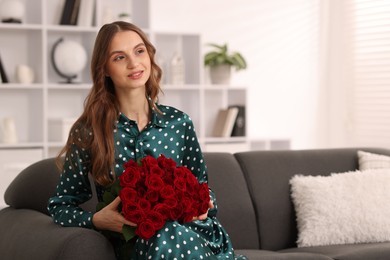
(123, 121)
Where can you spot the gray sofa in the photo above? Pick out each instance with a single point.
(254, 205)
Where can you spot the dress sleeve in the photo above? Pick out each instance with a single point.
(193, 159)
(72, 190)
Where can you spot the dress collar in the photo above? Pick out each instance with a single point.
(157, 119)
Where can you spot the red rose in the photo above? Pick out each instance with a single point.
(141, 190)
(145, 229)
(204, 193)
(154, 182)
(176, 212)
(130, 177)
(167, 192)
(144, 204)
(128, 194)
(180, 184)
(152, 195)
(180, 172)
(165, 163)
(131, 212)
(168, 178)
(156, 218)
(162, 209)
(130, 163)
(170, 202)
(148, 162)
(156, 170)
(189, 204)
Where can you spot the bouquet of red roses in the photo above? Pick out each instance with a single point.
(155, 190)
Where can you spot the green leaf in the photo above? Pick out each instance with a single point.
(100, 206)
(128, 232)
(115, 188)
(108, 197)
(221, 56)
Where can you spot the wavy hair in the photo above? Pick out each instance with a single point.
(93, 130)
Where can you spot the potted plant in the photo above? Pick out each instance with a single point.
(221, 61)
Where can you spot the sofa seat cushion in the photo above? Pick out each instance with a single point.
(379, 251)
(29, 234)
(271, 255)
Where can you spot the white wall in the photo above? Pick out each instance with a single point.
(280, 40)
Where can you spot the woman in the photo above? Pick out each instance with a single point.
(121, 121)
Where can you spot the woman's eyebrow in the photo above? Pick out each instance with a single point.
(135, 47)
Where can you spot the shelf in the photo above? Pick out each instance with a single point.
(22, 145)
(20, 86)
(20, 27)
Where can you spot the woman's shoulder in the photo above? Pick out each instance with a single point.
(170, 112)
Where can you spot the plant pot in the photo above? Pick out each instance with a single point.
(220, 74)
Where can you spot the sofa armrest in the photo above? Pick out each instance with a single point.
(30, 234)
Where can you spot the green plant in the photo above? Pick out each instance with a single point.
(221, 56)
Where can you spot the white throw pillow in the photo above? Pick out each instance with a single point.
(372, 161)
(343, 208)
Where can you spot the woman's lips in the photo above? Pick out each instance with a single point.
(136, 75)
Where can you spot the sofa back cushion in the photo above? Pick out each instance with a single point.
(33, 187)
(235, 208)
(268, 173)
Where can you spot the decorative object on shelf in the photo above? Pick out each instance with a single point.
(126, 17)
(68, 58)
(177, 70)
(108, 15)
(12, 11)
(70, 12)
(8, 131)
(240, 123)
(3, 74)
(225, 121)
(24, 74)
(85, 16)
(220, 62)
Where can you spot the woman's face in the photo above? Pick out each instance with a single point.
(129, 63)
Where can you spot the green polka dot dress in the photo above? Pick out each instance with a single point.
(171, 133)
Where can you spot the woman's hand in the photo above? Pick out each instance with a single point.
(204, 216)
(109, 218)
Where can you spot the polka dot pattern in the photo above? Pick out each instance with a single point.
(171, 133)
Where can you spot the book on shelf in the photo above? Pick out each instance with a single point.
(224, 122)
(86, 11)
(3, 74)
(70, 12)
(239, 128)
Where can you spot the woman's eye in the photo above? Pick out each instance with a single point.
(140, 51)
(118, 58)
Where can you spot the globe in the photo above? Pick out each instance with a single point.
(69, 58)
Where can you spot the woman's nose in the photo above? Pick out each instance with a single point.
(131, 63)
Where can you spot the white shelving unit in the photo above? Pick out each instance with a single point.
(34, 106)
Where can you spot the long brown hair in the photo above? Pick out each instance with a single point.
(93, 131)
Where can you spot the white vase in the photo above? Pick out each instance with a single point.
(177, 68)
(220, 74)
(8, 128)
(12, 11)
(24, 74)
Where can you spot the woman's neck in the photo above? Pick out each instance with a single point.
(136, 107)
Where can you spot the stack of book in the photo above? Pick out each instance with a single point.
(230, 122)
(78, 12)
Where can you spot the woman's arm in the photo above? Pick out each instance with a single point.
(72, 190)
